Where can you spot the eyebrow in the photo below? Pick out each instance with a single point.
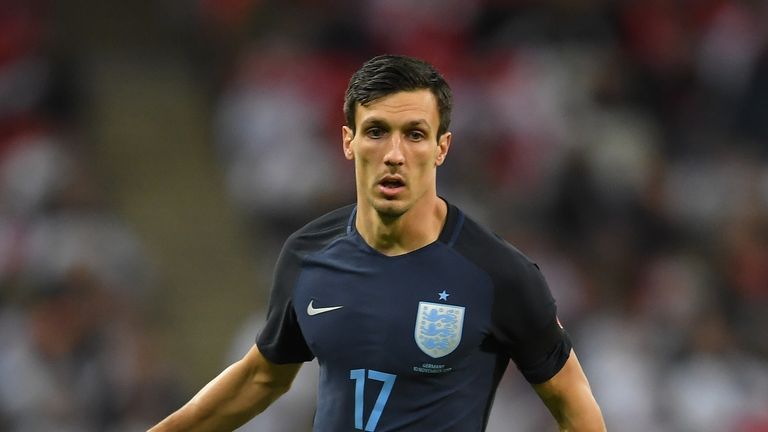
(375, 121)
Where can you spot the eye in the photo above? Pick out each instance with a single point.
(415, 135)
(374, 132)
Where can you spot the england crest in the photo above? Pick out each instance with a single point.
(438, 328)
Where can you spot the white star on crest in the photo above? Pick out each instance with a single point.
(443, 295)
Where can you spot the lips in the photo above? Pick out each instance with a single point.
(392, 181)
(391, 185)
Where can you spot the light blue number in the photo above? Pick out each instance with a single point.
(386, 389)
(359, 376)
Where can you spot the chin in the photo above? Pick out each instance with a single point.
(389, 208)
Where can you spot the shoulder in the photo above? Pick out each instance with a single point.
(490, 251)
(517, 280)
(318, 233)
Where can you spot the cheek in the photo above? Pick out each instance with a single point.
(428, 159)
(363, 161)
(364, 169)
(368, 156)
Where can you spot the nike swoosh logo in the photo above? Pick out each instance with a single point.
(311, 310)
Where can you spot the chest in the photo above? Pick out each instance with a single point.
(420, 314)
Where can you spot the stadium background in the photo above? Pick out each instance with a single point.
(154, 154)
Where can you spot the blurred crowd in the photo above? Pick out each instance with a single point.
(76, 350)
(623, 145)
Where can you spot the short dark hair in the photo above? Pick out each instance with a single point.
(388, 74)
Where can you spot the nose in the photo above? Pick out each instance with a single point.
(394, 155)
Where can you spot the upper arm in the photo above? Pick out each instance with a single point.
(250, 385)
(241, 391)
(569, 398)
(267, 374)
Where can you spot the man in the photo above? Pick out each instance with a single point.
(412, 309)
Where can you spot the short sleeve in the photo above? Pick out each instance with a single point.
(525, 322)
(281, 340)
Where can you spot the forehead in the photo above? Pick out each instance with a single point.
(401, 106)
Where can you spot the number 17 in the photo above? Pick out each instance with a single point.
(359, 376)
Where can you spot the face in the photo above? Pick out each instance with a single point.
(396, 151)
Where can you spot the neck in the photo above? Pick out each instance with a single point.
(398, 235)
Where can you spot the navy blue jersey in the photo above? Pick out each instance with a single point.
(414, 342)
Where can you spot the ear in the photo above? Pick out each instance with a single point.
(443, 144)
(346, 142)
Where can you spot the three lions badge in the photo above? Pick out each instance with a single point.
(438, 328)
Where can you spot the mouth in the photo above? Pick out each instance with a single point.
(390, 186)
